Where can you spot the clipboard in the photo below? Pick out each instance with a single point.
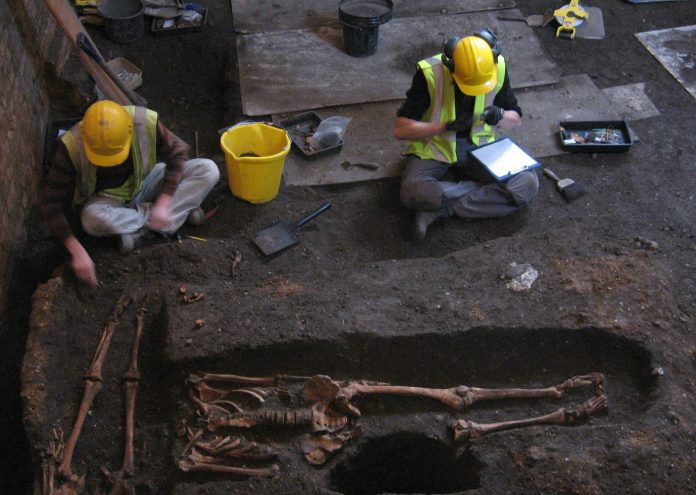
(499, 161)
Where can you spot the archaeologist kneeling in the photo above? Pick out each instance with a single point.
(454, 102)
(130, 174)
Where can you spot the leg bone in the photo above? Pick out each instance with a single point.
(461, 397)
(192, 466)
(131, 380)
(93, 384)
(465, 430)
(121, 484)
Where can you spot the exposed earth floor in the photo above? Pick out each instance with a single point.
(357, 300)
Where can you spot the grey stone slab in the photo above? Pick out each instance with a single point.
(369, 138)
(257, 16)
(675, 49)
(573, 98)
(593, 29)
(306, 69)
(631, 102)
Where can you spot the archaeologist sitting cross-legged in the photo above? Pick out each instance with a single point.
(455, 100)
(130, 174)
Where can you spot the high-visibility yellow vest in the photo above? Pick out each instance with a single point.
(143, 153)
(443, 147)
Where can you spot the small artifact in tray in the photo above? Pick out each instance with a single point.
(128, 74)
(301, 129)
(605, 135)
(595, 136)
(189, 20)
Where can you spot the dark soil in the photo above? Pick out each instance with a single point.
(356, 299)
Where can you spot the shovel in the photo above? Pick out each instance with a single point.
(281, 235)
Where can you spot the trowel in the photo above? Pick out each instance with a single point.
(534, 20)
(284, 234)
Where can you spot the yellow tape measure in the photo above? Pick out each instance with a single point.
(569, 17)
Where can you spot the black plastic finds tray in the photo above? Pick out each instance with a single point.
(177, 26)
(302, 126)
(595, 136)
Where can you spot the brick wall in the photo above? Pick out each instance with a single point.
(39, 77)
(33, 56)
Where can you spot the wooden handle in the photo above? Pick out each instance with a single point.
(549, 173)
(69, 23)
(325, 206)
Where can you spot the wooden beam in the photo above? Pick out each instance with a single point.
(67, 20)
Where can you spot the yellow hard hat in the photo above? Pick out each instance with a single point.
(474, 67)
(107, 132)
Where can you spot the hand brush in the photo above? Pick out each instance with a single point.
(569, 189)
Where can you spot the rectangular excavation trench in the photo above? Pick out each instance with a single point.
(482, 357)
(492, 358)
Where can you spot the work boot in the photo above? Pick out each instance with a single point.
(424, 219)
(129, 242)
(196, 217)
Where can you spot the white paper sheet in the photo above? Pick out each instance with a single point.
(504, 158)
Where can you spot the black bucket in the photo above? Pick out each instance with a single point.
(123, 19)
(361, 20)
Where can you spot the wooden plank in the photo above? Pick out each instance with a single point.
(67, 20)
(369, 137)
(257, 16)
(304, 69)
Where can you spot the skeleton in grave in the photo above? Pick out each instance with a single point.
(58, 477)
(330, 417)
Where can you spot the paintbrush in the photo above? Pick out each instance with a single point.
(569, 189)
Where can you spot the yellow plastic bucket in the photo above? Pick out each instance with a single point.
(255, 154)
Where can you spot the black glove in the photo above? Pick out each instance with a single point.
(460, 124)
(492, 115)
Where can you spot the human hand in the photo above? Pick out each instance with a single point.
(81, 262)
(160, 214)
(460, 124)
(84, 269)
(492, 115)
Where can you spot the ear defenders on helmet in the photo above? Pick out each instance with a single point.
(492, 41)
(448, 47)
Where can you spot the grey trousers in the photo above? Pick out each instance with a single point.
(429, 185)
(102, 216)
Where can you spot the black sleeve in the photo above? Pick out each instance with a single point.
(58, 192)
(506, 98)
(417, 98)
